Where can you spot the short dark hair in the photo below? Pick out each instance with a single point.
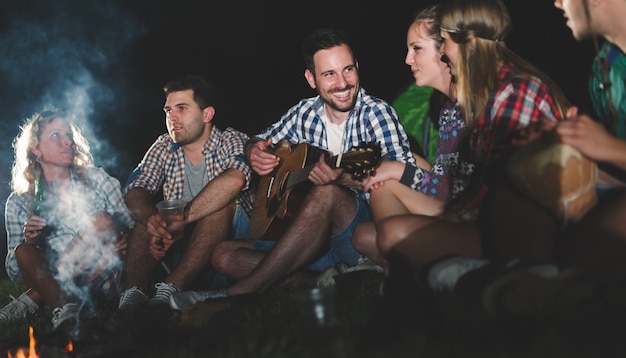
(203, 90)
(321, 39)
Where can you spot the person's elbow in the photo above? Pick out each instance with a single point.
(237, 179)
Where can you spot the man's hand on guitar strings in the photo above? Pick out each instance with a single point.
(261, 160)
(323, 174)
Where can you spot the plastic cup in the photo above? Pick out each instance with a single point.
(172, 211)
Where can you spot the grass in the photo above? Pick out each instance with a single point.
(403, 323)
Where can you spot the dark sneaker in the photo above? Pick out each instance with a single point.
(66, 316)
(180, 301)
(162, 294)
(538, 290)
(17, 309)
(132, 299)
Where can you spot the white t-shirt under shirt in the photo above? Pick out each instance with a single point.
(334, 134)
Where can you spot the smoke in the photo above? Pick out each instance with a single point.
(90, 259)
(71, 55)
(67, 54)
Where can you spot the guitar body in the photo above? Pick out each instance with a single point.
(264, 227)
(275, 203)
(280, 194)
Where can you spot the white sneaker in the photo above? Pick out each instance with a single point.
(65, 316)
(443, 276)
(327, 277)
(180, 301)
(131, 299)
(162, 294)
(364, 264)
(18, 308)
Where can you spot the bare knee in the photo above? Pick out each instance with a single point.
(103, 221)
(101, 227)
(364, 236)
(387, 237)
(25, 252)
(222, 259)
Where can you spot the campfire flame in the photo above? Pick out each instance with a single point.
(69, 347)
(32, 352)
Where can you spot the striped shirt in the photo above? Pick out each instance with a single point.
(163, 165)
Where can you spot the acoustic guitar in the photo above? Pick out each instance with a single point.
(280, 194)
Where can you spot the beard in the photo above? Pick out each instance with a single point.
(340, 106)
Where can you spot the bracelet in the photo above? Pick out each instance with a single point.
(408, 175)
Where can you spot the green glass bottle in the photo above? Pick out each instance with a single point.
(40, 208)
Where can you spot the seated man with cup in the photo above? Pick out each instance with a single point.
(201, 171)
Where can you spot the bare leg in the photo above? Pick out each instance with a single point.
(208, 232)
(140, 265)
(235, 259)
(327, 210)
(409, 260)
(91, 251)
(395, 229)
(364, 241)
(395, 198)
(38, 277)
(392, 199)
(434, 239)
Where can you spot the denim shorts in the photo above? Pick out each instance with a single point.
(341, 249)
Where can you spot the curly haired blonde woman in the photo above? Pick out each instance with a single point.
(71, 250)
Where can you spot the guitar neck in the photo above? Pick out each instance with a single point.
(301, 175)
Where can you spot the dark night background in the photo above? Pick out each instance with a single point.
(106, 61)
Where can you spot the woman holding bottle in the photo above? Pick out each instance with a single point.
(65, 220)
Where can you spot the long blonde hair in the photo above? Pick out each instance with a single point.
(488, 23)
(26, 167)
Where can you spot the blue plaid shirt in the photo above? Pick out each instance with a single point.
(372, 120)
(163, 165)
(93, 191)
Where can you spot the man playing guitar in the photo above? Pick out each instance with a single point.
(340, 118)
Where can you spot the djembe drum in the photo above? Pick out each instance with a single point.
(557, 176)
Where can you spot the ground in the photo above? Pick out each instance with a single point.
(402, 322)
